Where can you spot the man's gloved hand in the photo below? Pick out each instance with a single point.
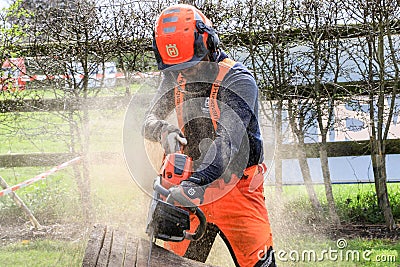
(188, 193)
(172, 139)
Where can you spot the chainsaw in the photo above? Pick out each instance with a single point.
(168, 219)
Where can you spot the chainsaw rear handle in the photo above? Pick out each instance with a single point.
(201, 229)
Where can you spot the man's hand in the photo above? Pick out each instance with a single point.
(172, 139)
(188, 193)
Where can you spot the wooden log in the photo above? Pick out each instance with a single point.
(111, 247)
(94, 246)
(130, 251)
(117, 252)
(105, 250)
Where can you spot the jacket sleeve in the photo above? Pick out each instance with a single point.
(239, 98)
(161, 106)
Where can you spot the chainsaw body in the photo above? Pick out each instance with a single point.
(176, 168)
(167, 219)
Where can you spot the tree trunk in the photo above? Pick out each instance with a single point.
(328, 184)
(80, 177)
(86, 135)
(377, 136)
(85, 166)
(298, 131)
(379, 169)
(277, 152)
(110, 247)
(305, 171)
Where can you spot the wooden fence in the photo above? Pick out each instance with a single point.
(288, 151)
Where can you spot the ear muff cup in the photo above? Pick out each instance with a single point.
(199, 47)
(212, 39)
(157, 55)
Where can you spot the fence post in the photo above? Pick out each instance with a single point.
(21, 204)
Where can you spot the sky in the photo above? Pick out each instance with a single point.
(4, 3)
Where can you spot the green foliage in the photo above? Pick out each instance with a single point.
(355, 203)
(361, 207)
(15, 11)
(360, 204)
(50, 200)
(10, 31)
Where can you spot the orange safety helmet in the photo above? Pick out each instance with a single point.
(183, 34)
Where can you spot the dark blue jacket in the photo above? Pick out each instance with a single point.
(237, 142)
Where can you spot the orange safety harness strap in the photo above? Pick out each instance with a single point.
(179, 98)
(224, 66)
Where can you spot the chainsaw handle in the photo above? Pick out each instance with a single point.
(159, 188)
(201, 229)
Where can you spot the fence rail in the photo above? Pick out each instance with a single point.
(46, 105)
(287, 151)
(341, 149)
(49, 159)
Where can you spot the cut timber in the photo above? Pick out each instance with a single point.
(111, 247)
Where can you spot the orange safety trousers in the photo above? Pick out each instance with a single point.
(238, 209)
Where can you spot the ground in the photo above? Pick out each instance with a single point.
(64, 232)
(75, 232)
(378, 231)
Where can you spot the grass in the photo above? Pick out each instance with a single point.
(42, 253)
(49, 132)
(50, 199)
(355, 203)
(33, 132)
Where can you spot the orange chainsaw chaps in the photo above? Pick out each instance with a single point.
(242, 217)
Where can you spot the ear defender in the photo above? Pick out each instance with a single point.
(157, 55)
(212, 39)
(199, 48)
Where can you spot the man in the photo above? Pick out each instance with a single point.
(215, 100)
